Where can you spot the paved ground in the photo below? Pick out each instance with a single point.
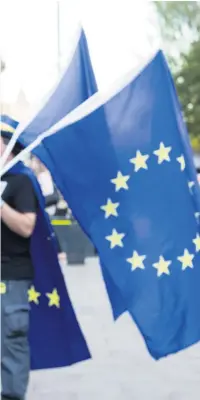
(121, 368)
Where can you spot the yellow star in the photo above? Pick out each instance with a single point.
(2, 288)
(54, 298)
(163, 153)
(186, 260)
(140, 161)
(136, 261)
(162, 266)
(33, 296)
(120, 181)
(115, 239)
(110, 208)
(181, 161)
(196, 241)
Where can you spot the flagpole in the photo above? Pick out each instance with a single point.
(58, 37)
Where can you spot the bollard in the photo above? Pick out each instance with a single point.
(72, 240)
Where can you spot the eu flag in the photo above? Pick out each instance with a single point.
(131, 184)
(55, 336)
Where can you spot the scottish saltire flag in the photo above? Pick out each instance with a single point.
(131, 184)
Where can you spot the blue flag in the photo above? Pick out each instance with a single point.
(55, 337)
(58, 346)
(131, 184)
(76, 85)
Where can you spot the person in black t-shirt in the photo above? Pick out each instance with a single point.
(15, 244)
(18, 218)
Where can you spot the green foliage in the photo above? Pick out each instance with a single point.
(178, 18)
(188, 86)
(180, 29)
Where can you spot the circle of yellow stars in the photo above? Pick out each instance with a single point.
(137, 261)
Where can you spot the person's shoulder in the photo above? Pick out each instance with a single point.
(12, 178)
(18, 182)
(23, 180)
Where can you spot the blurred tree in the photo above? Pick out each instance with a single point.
(188, 85)
(178, 18)
(180, 29)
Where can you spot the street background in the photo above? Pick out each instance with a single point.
(35, 37)
(121, 368)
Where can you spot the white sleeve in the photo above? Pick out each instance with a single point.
(46, 183)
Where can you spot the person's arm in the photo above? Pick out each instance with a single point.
(51, 200)
(21, 223)
(22, 218)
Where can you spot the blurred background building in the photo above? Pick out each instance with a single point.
(17, 109)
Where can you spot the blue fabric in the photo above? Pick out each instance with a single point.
(77, 84)
(156, 213)
(116, 300)
(9, 121)
(55, 336)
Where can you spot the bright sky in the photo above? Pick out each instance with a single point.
(119, 33)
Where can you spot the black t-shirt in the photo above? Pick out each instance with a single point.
(15, 249)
